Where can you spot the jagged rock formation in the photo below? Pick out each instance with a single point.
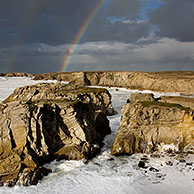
(149, 126)
(43, 122)
(76, 78)
(60, 76)
(99, 98)
(176, 81)
(16, 74)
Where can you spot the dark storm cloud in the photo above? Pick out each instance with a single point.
(125, 8)
(35, 35)
(166, 54)
(118, 31)
(161, 55)
(175, 19)
(57, 22)
(46, 21)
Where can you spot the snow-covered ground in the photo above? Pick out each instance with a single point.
(108, 174)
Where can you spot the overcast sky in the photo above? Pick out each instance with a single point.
(134, 35)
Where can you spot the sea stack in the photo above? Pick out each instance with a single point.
(44, 122)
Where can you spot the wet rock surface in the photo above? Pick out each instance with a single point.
(44, 122)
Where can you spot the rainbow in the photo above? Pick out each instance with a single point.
(80, 35)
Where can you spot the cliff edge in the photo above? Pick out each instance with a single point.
(148, 125)
(175, 81)
(44, 122)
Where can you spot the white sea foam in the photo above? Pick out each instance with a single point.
(106, 174)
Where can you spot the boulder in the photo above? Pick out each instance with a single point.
(44, 122)
(148, 126)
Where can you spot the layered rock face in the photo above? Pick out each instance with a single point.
(148, 125)
(16, 74)
(179, 81)
(44, 122)
(99, 98)
(155, 81)
(77, 78)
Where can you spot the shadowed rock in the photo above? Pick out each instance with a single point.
(44, 122)
(99, 98)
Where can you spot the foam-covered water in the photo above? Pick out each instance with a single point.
(105, 174)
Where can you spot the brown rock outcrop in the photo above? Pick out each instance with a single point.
(155, 81)
(76, 78)
(148, 126)
(175, 81)
(16, 74)
(99, 98)
(184, 101)
(43, 122)
(136, 97)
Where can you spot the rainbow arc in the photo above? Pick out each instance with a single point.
(75, 44)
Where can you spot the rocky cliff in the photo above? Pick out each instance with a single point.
(99, 98)
(43, 122)
(184, 101)
(175, 81)
(155, 81)
(76, 78)
(149, 125)
(16, 74)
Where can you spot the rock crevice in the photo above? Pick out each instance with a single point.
(44, 122)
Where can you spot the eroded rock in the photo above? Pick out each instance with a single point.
(44, 122)
(17, 74)
(99, 98)
(136, 97)
(149, 126)
(174, 81)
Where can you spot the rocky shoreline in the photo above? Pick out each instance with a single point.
(16, 74)
(53, 121)
(175, 81)
(169, 81)
(44, 122)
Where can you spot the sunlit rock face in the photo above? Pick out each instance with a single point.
(43, 122)
(149, 126)
(174, 81)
